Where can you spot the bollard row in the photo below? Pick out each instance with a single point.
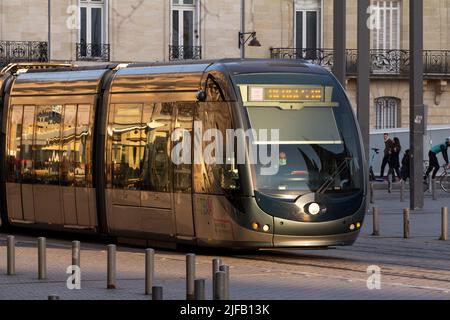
(407, 223)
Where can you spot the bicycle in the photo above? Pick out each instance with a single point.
(444, 180)
(375, 152)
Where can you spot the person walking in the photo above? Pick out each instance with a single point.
(388, 147)
(406, 165)
(394, 165)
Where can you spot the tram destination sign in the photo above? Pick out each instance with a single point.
(286, 94)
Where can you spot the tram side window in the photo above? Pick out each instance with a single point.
(213, 91)
(156, 165)
(182, 144)
(26, 148)
(214, 177)
(68, 146)
(46, 149)
(126, 146)
(83, 146)
(14, 143)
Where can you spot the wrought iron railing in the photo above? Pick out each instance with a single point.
(382, 62)
(93, 52)
(23, 51)
(185, 53)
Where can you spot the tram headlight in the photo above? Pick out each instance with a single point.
(313, 209)
(266, 228)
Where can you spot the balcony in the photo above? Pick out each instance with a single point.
(383, 63)
(185, 53)
(23, 51)
(93, 52)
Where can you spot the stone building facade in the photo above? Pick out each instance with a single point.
(93, 31)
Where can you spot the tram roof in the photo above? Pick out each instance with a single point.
(180, 76)
(231, 65)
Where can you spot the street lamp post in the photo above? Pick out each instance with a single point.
(49, 29)
(245, 37)
(339, 39)
(242, 47)
(363, 78)
(417, 109)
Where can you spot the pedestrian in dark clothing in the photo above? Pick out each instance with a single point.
(388, 147)
(406, 165)
(394, 165)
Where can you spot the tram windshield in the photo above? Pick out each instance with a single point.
(317, 144)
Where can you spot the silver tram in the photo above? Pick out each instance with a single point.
(89, 150)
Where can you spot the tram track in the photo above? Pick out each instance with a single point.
(358, 267)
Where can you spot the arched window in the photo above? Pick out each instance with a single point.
(387, 112)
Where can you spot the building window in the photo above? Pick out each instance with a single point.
(387, 112)
(386, 34)
(184, 31)
(93, 30)
(307, 27)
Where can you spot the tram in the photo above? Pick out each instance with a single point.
(91, 149)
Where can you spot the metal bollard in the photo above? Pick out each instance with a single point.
(376, 222)
(42, 259)
(444, 233)
(157, 293)
(433, 189)
(372, 199)
(76, 253)
(402, 191)
(199, 289)
(190, 276)
(53, 297)
(11, 255)
(225, 268)
(406, 223)
(219, 292)
(149, 270)
(430, 183)
(215, 268)
(111, 268)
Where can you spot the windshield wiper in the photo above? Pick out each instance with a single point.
(324, 187)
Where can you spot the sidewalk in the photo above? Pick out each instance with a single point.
(415, 268)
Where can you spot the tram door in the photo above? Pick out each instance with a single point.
(182, 157)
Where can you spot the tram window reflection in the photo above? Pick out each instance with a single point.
(182, 174)
(126, 146)
(82, 146)
(215, 178)
(14, 143)
(156, 161)
(46, 145)
(68, 145)
(26, 148)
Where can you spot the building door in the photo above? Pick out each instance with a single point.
(92, 27)
(184, 29)
(307, 28)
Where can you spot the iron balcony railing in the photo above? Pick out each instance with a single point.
(382, 62)
(23, 51)
(185, 53)
(93, 52)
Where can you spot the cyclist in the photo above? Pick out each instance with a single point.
(432, 155)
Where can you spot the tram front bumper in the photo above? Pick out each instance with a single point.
(285, 241)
